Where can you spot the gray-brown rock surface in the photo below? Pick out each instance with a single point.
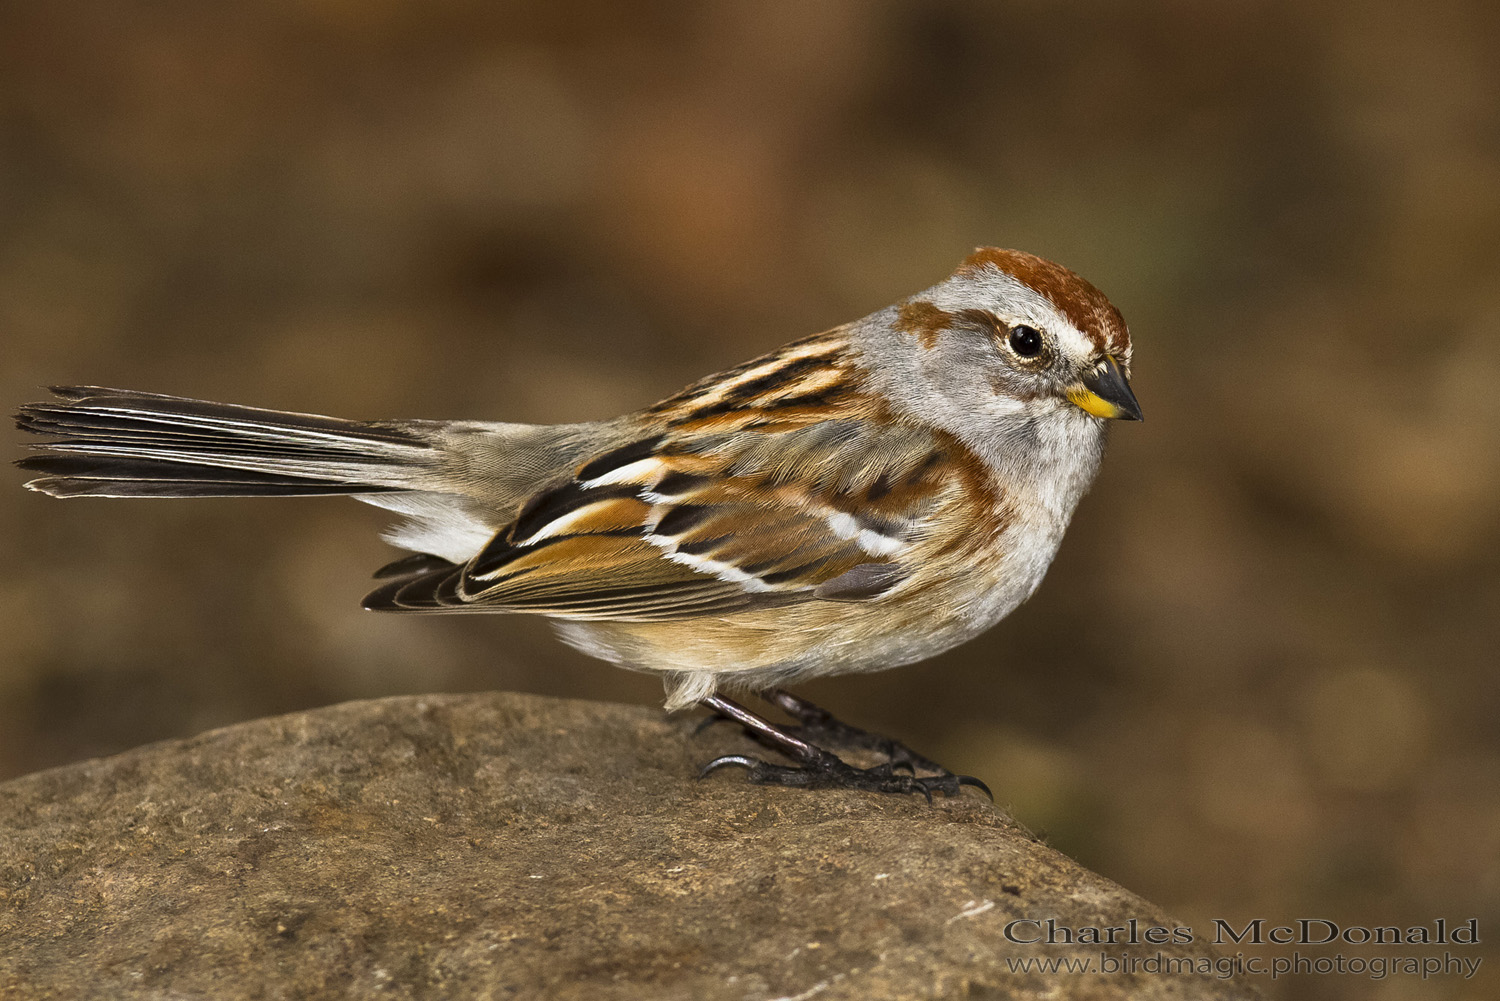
(509, 846)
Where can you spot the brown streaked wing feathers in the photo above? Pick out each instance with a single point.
(737, 510)
(438, 591)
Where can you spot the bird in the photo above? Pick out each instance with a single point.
(859, 499)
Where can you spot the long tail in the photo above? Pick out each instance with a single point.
(120, 443)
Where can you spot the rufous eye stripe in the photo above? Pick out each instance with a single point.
(923, 320)
(1085, 306)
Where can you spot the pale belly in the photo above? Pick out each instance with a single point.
(759, 649)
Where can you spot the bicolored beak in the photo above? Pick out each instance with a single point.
(1104, 392)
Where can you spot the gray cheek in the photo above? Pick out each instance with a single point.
(966, 364)
(1024, 436)
(1013, 385)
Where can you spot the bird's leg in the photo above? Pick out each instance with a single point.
(817, 768)
(818, 724)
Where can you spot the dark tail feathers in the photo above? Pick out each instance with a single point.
(120, 443)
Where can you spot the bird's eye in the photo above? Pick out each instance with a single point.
(1025, 341)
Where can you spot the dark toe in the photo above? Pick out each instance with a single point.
(969, 780)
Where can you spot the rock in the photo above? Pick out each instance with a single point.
(509, 846)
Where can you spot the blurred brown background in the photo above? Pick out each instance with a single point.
(1261, 678)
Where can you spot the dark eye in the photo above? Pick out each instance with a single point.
(1026, 341)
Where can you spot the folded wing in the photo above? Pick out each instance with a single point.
(701, 522)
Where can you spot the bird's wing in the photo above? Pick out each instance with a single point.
(713, 516)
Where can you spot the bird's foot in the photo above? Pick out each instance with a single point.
(821, 769)
(819, 726)
(828, 771)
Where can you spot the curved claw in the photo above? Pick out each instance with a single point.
(969, 780)
(725, 760)
(818, 768)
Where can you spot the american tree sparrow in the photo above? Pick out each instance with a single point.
(862, 498)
